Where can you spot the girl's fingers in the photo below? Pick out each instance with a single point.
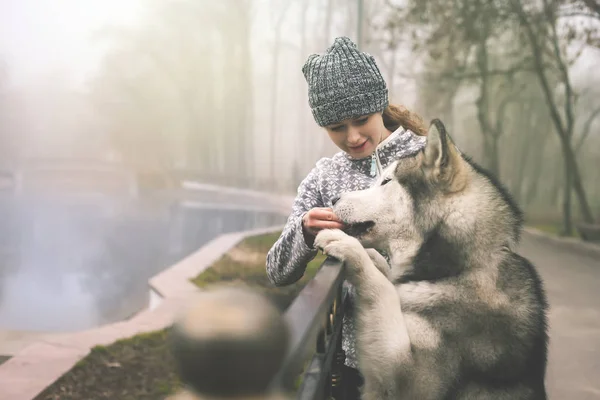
(329, 225)
(324, 214)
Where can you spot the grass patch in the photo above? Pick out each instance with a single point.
(142, 367)
(245, 265)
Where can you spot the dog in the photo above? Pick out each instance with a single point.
(456, 313)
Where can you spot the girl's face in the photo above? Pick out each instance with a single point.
(358, 136)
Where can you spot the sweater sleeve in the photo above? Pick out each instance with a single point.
(287, 259)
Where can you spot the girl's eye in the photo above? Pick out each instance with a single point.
(385, 181)
(337, 128)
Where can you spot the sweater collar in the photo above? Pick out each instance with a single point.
(387, 150)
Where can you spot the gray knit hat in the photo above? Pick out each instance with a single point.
(344, 83)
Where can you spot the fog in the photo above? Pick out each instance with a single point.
(213, 92)
(81, 262)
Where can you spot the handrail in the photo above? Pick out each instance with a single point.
(311, 316)
(239, 327)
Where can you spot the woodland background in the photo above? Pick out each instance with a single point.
(217, 88)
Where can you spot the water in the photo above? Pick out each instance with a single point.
(78, 264)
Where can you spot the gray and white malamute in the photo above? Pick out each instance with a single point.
(458, 314)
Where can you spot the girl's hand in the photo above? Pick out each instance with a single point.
(317, 219)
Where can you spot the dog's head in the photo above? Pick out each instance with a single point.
(418, 194)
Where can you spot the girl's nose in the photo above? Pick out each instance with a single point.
(353, 136)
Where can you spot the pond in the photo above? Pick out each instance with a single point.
(72, 264)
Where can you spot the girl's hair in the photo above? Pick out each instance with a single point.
(395, 116)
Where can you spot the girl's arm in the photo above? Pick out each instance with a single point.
(287, 259)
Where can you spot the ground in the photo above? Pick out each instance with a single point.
(553, 228)
(571, 279)
(141, 367)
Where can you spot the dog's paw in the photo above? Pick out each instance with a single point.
(337, 244)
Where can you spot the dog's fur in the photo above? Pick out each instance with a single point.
(458, 314)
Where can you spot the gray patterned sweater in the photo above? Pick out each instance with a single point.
(287, 259)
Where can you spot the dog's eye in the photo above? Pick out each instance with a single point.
(386, 180)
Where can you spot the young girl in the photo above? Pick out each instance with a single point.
(349, 98)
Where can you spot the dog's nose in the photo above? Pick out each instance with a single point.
(335, 200)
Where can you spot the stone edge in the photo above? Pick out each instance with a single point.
(40, 364)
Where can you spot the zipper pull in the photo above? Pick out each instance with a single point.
(373, 166)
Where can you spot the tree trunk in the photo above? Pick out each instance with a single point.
(246, 99)
(575, 178)
(273, 126)
(303, 139)
(536, 158)
(558, 183)
(274, 92)
(567, 229)
(483, 111)
(515, 170)
(327, 26)
(495, 155)
(585, 131)
(392, 76)
(564, 130)
(359, 24)
(532, 188)
(323, 141)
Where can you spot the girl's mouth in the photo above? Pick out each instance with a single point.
(359, 147)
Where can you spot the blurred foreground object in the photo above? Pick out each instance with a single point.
(228, 345)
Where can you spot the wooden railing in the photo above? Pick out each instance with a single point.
(233, 343)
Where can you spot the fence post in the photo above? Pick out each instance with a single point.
(229, 344)
(340, 355)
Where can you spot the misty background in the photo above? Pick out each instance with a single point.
(166, 90)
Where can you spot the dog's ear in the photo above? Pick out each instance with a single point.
(436, 149)
(442, 160)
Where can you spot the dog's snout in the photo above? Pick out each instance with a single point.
(335, 200)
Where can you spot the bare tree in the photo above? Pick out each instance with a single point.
(466, 53)
(588, 106)
(504, 43)
(302, 119)
(279, 14)
(540, 31)
(177, 91)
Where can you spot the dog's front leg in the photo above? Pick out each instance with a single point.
(383, 343)
(379, 261)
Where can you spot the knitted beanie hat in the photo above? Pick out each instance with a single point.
(343, 83)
